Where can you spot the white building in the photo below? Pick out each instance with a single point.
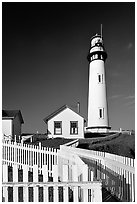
(97, 97)
(11, 123)
(65, 123)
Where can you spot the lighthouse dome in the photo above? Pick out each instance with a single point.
(96, 49)
(97, 39)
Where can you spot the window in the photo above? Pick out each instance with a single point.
(100, 78)
(96, 56)
(57, 128)
(74, 127)
(101, 112)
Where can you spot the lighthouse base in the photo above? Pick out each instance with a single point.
(98, 129)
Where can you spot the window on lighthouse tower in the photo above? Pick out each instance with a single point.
(101, 112)
(100, 78)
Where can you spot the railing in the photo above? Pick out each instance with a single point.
(71, 164)
(24, 154)
(58, 171)
(20, 189)
(116, 172)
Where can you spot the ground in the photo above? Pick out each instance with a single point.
(122, 144)
(52, 143)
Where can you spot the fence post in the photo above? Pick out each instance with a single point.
(65, 179)
(5, 179)
(15, 179)
(35, 188)
(25, 179)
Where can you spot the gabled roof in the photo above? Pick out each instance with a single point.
(58, 111)
(12, 114)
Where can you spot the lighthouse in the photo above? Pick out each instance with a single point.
(97, 98)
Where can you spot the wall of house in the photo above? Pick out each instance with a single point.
(17, 127)
(7, 126)
(66, 116)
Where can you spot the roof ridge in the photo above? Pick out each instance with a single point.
(12, 113)
(58, 111)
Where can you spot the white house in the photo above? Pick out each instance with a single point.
(65, 123)
(11, 123)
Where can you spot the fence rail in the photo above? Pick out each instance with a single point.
(116, 172)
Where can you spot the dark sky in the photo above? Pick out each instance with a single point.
(44, 58)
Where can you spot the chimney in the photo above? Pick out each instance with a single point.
(78, 107)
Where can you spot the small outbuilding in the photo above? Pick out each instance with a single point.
(11, 123)
(65, 123)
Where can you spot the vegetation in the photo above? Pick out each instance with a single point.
(53, 143)
(122, 144)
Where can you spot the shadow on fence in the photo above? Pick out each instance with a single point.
(120, 184)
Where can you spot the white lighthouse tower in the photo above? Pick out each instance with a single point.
(97, 98)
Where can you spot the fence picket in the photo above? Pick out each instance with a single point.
(45, 173)
(55, 173)
(15, 173)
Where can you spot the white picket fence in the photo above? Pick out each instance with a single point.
(71, 174)
(84, 191)
(116, 172)
(25, 154)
